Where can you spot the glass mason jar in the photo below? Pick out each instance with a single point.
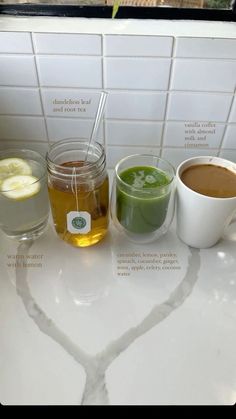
(79, 191)
(24, 206)
(142, 203)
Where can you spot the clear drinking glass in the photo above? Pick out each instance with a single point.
(78, 191)
(24, 204)
(142, 202)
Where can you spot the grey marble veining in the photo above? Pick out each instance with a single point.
(95, 391)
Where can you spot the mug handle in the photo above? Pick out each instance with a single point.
(233, 219)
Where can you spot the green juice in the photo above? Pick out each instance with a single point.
(142, 199)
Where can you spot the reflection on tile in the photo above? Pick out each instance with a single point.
(70, 103)
(133, 133)
(204, 75)
(115, 154)
(137, 73)
(67, 43)
(199, 106)
(68, 71)
(150, 106)
(17, 70)
(230, 137)
(20, 101)
(206, 48)
(232, 117)
(15, 42)
(58, 129)
(22, 128)
(131, 45)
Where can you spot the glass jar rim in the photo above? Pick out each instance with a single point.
(144, 155)
(82, 169)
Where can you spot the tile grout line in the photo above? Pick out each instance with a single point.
(116, 120)
(161, 121)
(120, 89)
(226, 123)
(167, 98)
(23, 140)
(17, 115)
(103, 84)
(122, 145)
(125, 57)
(39, 88)
(164, 148)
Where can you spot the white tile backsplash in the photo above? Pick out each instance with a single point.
(59, 43)
(20, 101)
(137, 73)
(140, 106)
(176, 155)
(199, 106)
(17, 70)
(70, 103)
(15, 42)
(204, 134)
(230, 137)
(40, 147)
(133, 133)
(204, 75)
(205, 48)
(170, 95)
(59, 129)
(69, 71)
(137, 46)
(114, 154)
(22, 128)
(228, 155)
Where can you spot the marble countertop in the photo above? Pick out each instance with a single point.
(117, 323)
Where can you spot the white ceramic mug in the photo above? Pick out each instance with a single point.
(201, 219)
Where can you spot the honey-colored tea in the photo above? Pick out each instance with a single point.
(71, 195)
(210, 180)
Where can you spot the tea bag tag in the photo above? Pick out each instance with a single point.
(78, 222)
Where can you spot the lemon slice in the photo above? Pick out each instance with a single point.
(20, 187)
(13, 166)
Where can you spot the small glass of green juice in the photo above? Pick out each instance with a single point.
(142, 203)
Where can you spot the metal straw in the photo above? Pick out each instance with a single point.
(97, 121)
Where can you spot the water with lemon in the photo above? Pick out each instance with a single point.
(24, 206)
(142, 199)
